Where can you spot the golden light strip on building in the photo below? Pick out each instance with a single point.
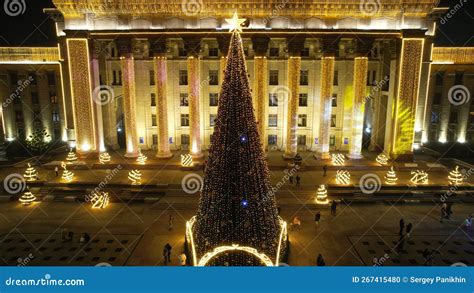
(453, 55)
(29, 55)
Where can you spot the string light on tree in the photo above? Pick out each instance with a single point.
(141, 158)
(71, 157)
(135, 176)
(67, 175)
(322, 195)
(30, 173)
(338, 159)
(382, 159)
(187, 160)
(391, 177)
(100, 199)
(419, 177)
(455, 177)
(27, 198)
(343, 177)
(104, 158)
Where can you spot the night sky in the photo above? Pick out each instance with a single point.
(34, 28)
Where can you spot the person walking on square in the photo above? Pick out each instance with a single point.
(333, 207)
(165, 254)
(449, 211)
(317, 217)
(325, 169)
(182, 259)
(402, 226)
(408, 229)
(468, 222)
(296, 224)
(56, 170)
(401, 243)
(168, 252)
(320, 261)
(291, 179)
(298, 179)
(170, 223)
(443, 212)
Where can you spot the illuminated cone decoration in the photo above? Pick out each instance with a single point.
(71, 157)
(30, 173)
(322, 195)
(27, 198)
(104, 158)
(455, 177)
(135, 176)
(141, 158)
(67, 175)
(382, 159)
(391, 177)
(237, 206)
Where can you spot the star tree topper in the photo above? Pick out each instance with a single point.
(235, 23)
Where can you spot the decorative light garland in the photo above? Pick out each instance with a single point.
(67, 175)
(234, 247)
(338, 159)
(382, 159)
(322, 195)
(27, 198)
(343, 177)
(135, 176)
(30, 173)
(455, 177)
(391, 177)
(141, 158)
(187, 160)
(419, 177)
(104, 158)
(100, 200)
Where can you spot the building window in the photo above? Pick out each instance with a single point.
(272, 120)
(120, 77)
(114, 77)
(183, 77)
(301, 140)
(213, 99)
(55, 116)
(183, 100)
(212, 120)
(332, 140)
(213, 52)
(273, 100)
(334, 100)
(154, 139)
(152, 77)
(274, 52)
(184, 119)
(51, 78)
(153, 119)
(437, 98)
(153, 99)
(336, 78)
(439, 78)
(333, 120)
(453, 118)
(303, 102)
(53, 98)
(458, 77)
(302, 120)
(14, 79)
(19, 116)
(34, 98)
(272, 139)
(304, 77)
(182, 52)
(305, 52)
(434, 117)
(32, 78)
(213, 77)
(273, 77)
(185, 139)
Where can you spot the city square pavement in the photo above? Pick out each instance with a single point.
(134, 232)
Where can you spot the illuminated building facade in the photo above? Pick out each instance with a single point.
(325, 76)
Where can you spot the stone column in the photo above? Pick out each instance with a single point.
(260, 84)
(45, 102)
(327, 79)
(445, 105)
(358, 106)
(193, 46)
(83, 105)
(109, 110)
(129, 99)
(406, 102)
(67, 117)
(97, 91)
(161, 77)
(295, 45)
(223, 42)
(464, 109)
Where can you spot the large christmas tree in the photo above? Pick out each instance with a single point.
(237, 205)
